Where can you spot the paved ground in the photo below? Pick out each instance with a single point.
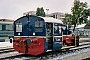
(5, 44)
(79, 56)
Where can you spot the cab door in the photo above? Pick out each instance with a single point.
(49, 35)
(57, 42)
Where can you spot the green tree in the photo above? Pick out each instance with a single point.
(40, 12)
(67, 19)
(87, 23)
(80, 13)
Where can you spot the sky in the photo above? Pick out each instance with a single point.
(13, 9)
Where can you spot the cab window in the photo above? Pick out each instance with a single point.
(19, 27)
(38, 26)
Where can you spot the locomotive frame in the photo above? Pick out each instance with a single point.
(36, 35)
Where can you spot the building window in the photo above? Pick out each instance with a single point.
(53, 16)
(56, 16)
(9, 27)
(0, 27)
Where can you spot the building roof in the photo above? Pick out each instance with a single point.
(6, 20)
(81, 26)
(30, 13)
(58, 13)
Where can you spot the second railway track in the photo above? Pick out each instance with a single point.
(48, 56)
(7, 52)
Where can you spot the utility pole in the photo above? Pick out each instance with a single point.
(47, 11)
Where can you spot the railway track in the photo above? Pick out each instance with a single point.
(49, 55)
(85, 45)
(7, 52)
(72, 51)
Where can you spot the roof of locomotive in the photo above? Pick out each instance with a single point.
(51, 19)
(46, 19)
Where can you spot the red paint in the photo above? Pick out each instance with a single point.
(34, 48)
(68, 38)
